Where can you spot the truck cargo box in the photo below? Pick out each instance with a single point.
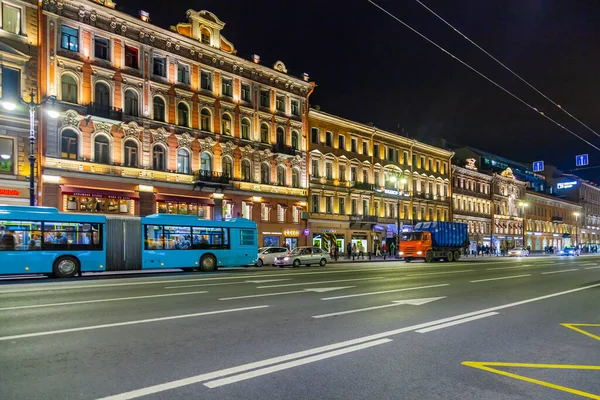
(445, 234)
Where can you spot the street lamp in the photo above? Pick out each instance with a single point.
(402, 182)
(522, 204)
(52, 113)
(576, 214)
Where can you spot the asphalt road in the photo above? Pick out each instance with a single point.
(478, 329)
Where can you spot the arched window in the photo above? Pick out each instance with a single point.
(265, 174)
(246, 129)
(131, 153)
(281, 176)
(205, 163)
(101, 149)
(158, 158)
(68, 89)
(102, 95)
(246, 171)
(295, 144)
(280, 137)
(264, 133)
(205, 120)
(183, 161)
(295, 178)
(227, 167)
(226, 124)
(205, 36)
(158, 108)
(183, 114)
(69, 144)
(131, 103)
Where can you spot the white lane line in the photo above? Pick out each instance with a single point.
(319, 282)
(458, 322)
(291, 364)
(317, 290)
(592, 267)
(560, 271)
(395, 303)
(73, 303)
(517, 267)
(384, 291)
(275, 360)
(141, 321)
(589, 264)
(225, 283)
(442, 273)
(498, 279)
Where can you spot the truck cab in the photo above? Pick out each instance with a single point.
(415, 245)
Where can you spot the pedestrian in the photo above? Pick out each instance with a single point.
(392, 250)
(349, 250)
(353, 251)
(361, 251)
(384, 249)
(336, 252)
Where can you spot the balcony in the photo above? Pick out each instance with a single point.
(362, 186)
(283, 149)
(368, 219)
(104, 111)
(557, 219)
(211, 177)
(472, 214)
(429, 196)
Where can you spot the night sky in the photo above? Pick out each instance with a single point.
(369, 68)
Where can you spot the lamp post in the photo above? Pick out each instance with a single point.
(523, 205)
(576, 214)
(52, 113)
(399, 181)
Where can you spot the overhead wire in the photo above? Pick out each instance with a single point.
(483, 75)
(508, 69)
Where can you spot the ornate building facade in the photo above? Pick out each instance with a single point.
(169, 121)
(508, 195)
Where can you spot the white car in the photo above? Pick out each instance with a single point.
(267, 255)
(303, 256)
(518, 252)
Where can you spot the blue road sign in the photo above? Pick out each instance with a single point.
(581, 160)
(538, 166)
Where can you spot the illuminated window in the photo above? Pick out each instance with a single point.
(11, 19)
(7, 156)
(101, 149)
(69, 37)
(131, 154)
(68, 89)
(265, 212)
(226, 124)
(205, 120)
(281, 211)
(183, 161)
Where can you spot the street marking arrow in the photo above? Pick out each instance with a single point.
(412, 302)
(268, 280)
(317, 290)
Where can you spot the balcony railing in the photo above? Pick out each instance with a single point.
(364, 218)
(211, 176)
(283, 149)
(363, 186)
(104, 111)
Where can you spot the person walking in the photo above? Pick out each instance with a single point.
(336, 252)
(361, 251)
(353, 251)
(393, 250)
(349, 250)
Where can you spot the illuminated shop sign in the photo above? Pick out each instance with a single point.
(566, 185)
(9, 192)
(291, 232)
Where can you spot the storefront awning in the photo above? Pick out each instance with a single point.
(108, 194)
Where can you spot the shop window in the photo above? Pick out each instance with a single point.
(158, 108)
(227, 167)
(265, 211)
(183, 161)
(158, 158)
(131, 154)
(101, 150)
(246, 210)
(202, 211)
(206, 80)
(101, 47)
(295, 178)
(271, 241)
(264, 133)
(205, 120)
(246, 171)
(68, 87)
(281, 211)
(226, 124)
(183, 114)
(69, 38)
(98, 204)
(131, 103)
(265, 174)
(245, 125)
(7, 156)
(69, 144)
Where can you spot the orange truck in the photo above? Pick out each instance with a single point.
(434, 241)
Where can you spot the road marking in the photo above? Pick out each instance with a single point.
(517, 267)
(558, 272)
(592, 267)
(269, 370)
(497, 279)
(319, 282)
(141, 321)
(413, 302)
(72, 303)
(485, 366)
(268, 280)
(292, 356)
(589, 264)
(576, 329)
(442, 273)
(224, 283)
(384, 291)
(317, 290)
(457, 322)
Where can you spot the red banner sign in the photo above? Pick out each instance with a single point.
(9, 192)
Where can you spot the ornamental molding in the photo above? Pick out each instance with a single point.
(265, 155)
(296, 161)
(101, 127)
(247, 151)
(185, 140)
(207, 145)
(72, 119)
(160, 136)
(132, 130)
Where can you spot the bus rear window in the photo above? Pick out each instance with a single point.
(247, 237)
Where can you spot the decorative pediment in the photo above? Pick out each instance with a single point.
(160, 136)
(296, 161)
(71, 118)
(265, 155)
(132, 130)
(185, 140)
(228, 148)
(101, 127)
(207, 144)
(247, 151)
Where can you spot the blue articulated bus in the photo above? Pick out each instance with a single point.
(39, 240)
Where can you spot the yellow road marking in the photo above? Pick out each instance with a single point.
(574, 327)
(485, 366)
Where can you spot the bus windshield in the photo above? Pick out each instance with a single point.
(412, 236)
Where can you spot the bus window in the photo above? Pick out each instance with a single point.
(20, 235)
(154, 237)
(210, 238)
(72, 235)
(178, 237)
(247, 237)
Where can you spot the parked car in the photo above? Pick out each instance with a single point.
(570, 251)
(306, 255)
(518, 252)
(267, 255)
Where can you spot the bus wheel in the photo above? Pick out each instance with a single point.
(65, 267)
(208, 263)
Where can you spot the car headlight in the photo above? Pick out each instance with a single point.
(419, 253)
(286, 258)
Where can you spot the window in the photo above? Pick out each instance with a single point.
(247, 236)
(437, 166)
(101, 150)
(405, 157)
(227, 87)
(280, 103)
(422, 165)
(342, 206)
(329, 204)
(281, 176)
(315, 169)
(354, 144)
(131, 154)
(246, 173)
(430, 164)
(315, 203)
(280, 137)
(183, 161)
(61, 235)
(354, 206)
(69, 37)
(365, 177)
(329, 171)
(101, 94)
(329, 139)
(365, 149)
(376, 152)
(246, 93)
(353, 174)
(365, 210)
(205, 120)
(183, 73)
(295, 214)
(245, 129)
(227, 167)
(342, 173)
(101, 47)
(205, 80)
(295, 178)
(264, 98)
(265, 212)
(246, 211)
(68, 87)
(186, 238)
(183, 114)
(158, 108)
(226, 124)
(159, 66)
(265, 174)
(131, 57)
(342, 142)
(206, 163)
(295, 140)
(158, 158)
(131, 103)
(314, 135)
(376, 178)
(7, 156)
(264, 133)
(295, 105)
(69, 144)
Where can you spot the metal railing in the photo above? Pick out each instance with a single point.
(104, 111)
(211, 176)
